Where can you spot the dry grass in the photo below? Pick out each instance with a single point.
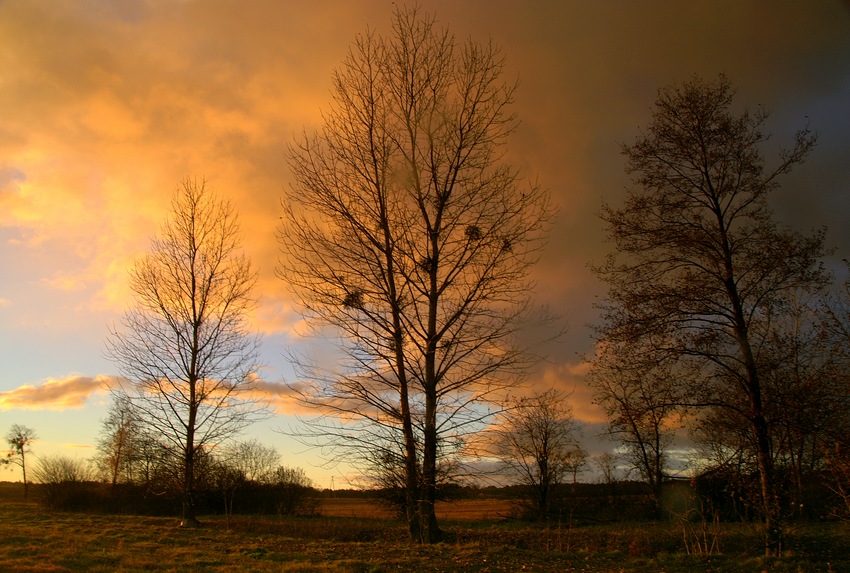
(358, 539)
(459, 510)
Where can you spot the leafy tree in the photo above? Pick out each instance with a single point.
(409, 238)
(19, 438)
(185, 349)
(699, 258)
(537, 443)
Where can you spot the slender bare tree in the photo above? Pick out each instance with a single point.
(407, 235)
(19, 438)
(640, 394)
(117, 444)
(186, 353)
(537, 441)
(698, 256)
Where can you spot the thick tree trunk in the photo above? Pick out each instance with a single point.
(764, 454)
(190, 520)
(770, 504)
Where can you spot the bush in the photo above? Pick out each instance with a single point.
(65, 482)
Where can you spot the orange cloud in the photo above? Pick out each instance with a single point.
(282, 397)
(569, 378)
(78, 446)
(56, 394)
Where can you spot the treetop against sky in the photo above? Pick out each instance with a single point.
(106, 107)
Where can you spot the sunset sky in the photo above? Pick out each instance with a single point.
(106, 105)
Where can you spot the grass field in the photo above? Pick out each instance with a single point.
(460, 510)
(358, 536)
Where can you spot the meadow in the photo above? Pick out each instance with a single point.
(361, 536)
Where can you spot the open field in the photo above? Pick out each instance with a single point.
(460, 510)
(35, 540)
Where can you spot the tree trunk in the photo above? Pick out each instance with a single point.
(772, 515)
(24, 471)
(430, 530)
(543, 499)
(190, 520)
(758, 423)
(411, 470)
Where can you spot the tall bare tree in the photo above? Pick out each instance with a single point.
(698, 255)
(19, 439)
(407, 235)
(537, 441)
(185, 349)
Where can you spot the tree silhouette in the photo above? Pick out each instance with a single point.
(407, 235)
(699, 264)
(184, 349)
(19, 438)
(537, 441)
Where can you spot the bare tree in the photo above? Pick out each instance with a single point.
(117, 446)
(408, 236)
(608, 465)
(577, 461)
(185, 349)
(537, 441)
(19, 438)
(836, 319)
(294, 491)
(699, 257)
(806, 394)
(56, 470)
(254, 460)
(835, 316)
(640, 395)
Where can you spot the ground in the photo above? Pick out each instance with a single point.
(359, 536)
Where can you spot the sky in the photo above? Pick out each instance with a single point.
(106, 105)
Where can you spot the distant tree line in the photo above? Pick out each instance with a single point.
(137, 473)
